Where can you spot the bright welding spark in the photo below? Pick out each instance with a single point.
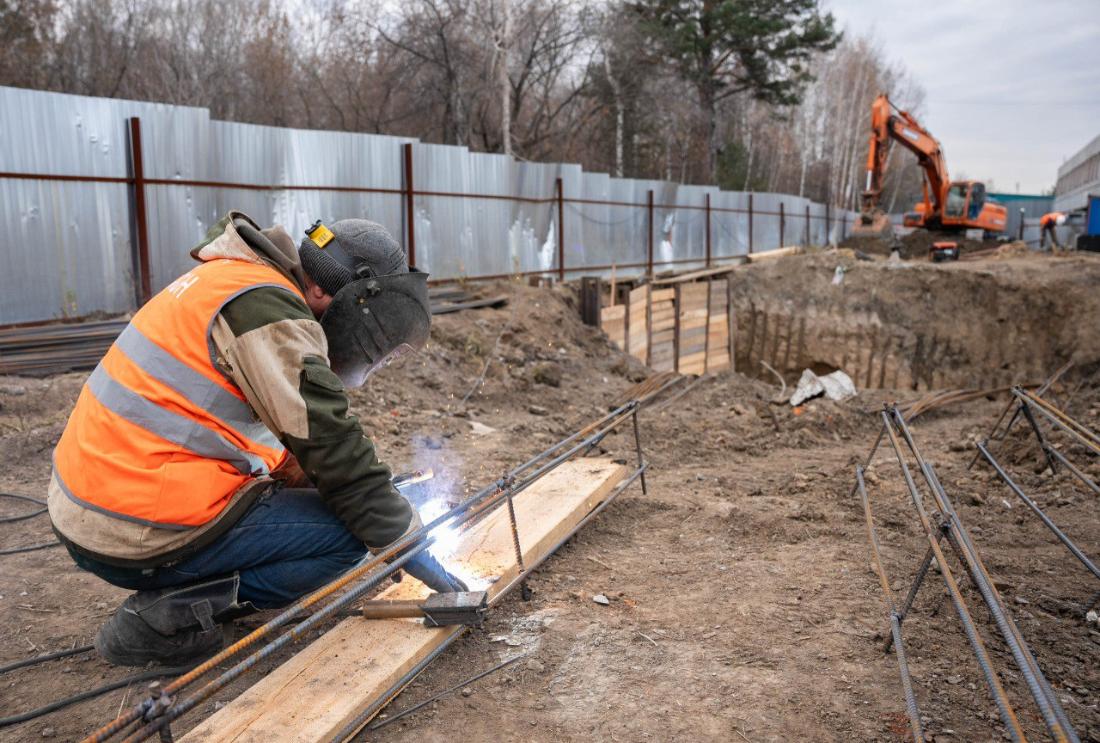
(447, 538)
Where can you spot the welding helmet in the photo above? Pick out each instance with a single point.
(379, 309)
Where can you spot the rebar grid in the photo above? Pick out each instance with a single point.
(950, 527)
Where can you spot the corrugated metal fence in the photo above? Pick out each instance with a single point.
(101, 199)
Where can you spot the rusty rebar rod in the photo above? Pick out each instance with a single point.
(1000, 698)
(1073, 548)
(1051, 709)
(895, 620)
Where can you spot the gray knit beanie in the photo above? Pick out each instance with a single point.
(359, 249)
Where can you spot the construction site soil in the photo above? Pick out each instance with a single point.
(742, 602)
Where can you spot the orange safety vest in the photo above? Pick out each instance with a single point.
(159, 436)
(1048, 219)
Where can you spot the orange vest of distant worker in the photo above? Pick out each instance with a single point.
(158, 435)
(1049, 219)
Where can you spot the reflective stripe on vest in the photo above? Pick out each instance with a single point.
(158, 435)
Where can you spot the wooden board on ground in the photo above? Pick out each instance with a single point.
(321, 689)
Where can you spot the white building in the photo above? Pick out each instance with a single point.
(1077, 178)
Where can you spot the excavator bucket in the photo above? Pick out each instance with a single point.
(874, 224)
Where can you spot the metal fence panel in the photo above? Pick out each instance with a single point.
(69, 249)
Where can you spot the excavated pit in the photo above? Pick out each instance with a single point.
(917, 325)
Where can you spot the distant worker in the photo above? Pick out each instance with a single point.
(210, 463)
(1048, 224)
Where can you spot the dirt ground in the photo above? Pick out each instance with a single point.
(742, 602)
(916, 244)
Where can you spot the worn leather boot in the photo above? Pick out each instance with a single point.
(171, 626)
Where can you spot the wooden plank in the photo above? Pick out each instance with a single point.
(700, 274)
(326, 685)
(663, 295)
(614, 312)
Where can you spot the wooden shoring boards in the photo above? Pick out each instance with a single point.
(693, 327)
(638, 324)
(718, 327)
(328, 683)
(662, 337)
(613, 322)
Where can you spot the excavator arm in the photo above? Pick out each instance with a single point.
(889, 124)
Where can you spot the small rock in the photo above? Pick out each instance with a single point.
(48, 732)
(954, 679)
(535, 666)
(537, 410)
(15, 390)
(547, 373)
(467, 691)
(602, 600)
(1021, 600)
(480, 429)
(1091, 617)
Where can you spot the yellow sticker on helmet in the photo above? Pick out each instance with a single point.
(321, 236)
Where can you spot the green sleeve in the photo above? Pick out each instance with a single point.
(336, 455)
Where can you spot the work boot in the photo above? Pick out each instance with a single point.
(171, 626)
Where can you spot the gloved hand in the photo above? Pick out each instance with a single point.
(428, 571)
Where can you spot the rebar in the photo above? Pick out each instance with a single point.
(1000, 698)
(1073, 548)
(906, 682)
(1053, 715)
(1046, 385)
(478, 505)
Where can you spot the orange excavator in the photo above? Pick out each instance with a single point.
(947, 206)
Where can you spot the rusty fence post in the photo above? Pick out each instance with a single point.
(828, 236)
(807, 244)
(560, 189)
(410, 208)
(1022, 217)
(143, 278)
(750, 223)
(649, 224)
(707, 227)
(782, 224)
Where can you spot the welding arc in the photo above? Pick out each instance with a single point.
(371, 573)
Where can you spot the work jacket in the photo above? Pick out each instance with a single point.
(217, 383)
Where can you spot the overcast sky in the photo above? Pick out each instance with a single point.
(1013, 86)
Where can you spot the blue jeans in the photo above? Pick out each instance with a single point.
(287, 545)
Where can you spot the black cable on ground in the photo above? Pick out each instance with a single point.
(29, 548)
(23, 516)
(43, 658)
(92, 693)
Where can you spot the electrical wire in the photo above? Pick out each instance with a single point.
(29, 548)
(23, 516)
(91, 694)
(43, 658)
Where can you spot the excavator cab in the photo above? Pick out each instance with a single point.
(966, 207)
